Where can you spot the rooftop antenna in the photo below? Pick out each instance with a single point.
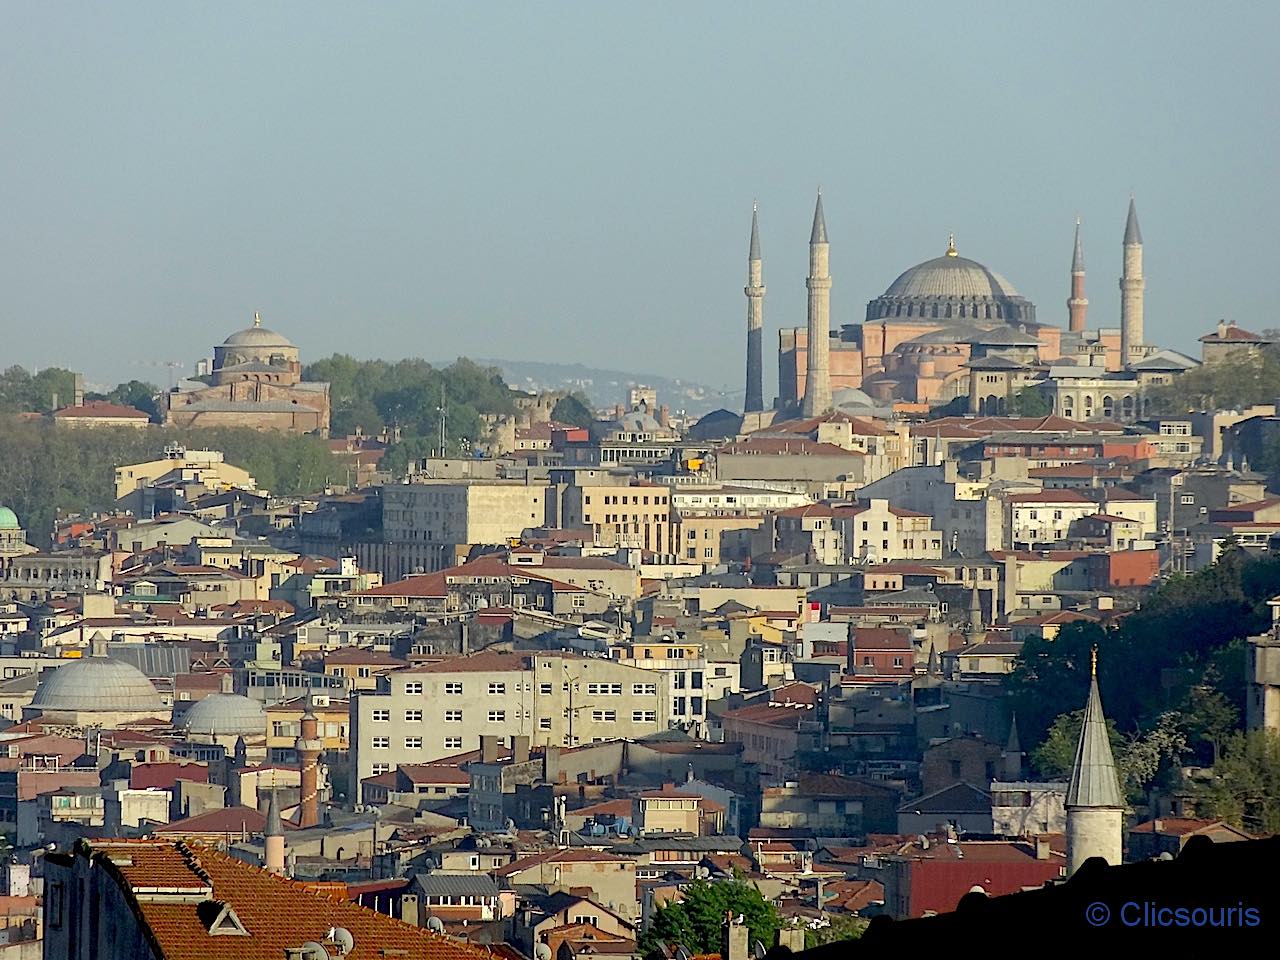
(443, 411)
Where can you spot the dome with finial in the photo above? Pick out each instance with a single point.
(97, 684)
(256, 335)
(951, 287)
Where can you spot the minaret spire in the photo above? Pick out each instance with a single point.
(1077, 304)
(1094, 802)
(817, 384)
(754, 290)
(1132, 288)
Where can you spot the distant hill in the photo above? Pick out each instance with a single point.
(608, 387)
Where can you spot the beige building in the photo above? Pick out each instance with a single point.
(205, 467)
(620, 514)
(554, 698)
(611, 879)
(669, 811)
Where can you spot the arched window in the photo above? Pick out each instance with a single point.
(1088, 406)
(1108, 407)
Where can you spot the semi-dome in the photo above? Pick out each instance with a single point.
(97, 684)
(257, 336)
(8, 519)
(226, 714)
(952, 287)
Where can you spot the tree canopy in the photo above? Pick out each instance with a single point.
(24, 392)
(1237, 380)
(1244, 787)
(696, 920)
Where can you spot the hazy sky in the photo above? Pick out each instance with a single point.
(561, 181)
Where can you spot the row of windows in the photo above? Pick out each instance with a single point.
(450, 716)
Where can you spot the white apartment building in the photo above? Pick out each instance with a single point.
(690, 680)
(1046, 517)
(875, 532)
(461, 511)
(554, 698)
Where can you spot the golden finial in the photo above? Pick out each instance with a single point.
(1093, 663)
(951, 246)
(257, 319)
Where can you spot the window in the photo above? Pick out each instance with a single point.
(379, 716)
(413, 688)
(604, 689)
(381, 743)
(453, 716)
(644, 716)
(695, 680)
(413, 716)
(381, 768)
(897, 661)
(1188, 498)
(413, 743)
(497, 716)
(57, 896)
(604, 716)
(579, 601)
(497, 688)
(544, 689)
(679, 705)
(695, 706)
(453, 689)
(544, 723)
(453, 743)
(644, 689)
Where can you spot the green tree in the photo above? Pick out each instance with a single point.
(575, 410)
(696, 920)
(1210, 716)
(1244, 788)
(1030, 402)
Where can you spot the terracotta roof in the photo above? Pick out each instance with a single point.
(1179, 826)
(103, 409)
(476, 663)
(226, 820)
(1232, 334)
(277, 913)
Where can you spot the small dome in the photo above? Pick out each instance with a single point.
(9, 519)
(951, 276)
(97, 683)
(257, 336)
(226, 714)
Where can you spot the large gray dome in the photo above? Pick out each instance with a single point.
(257, 336)
(226, 714)
(97, 684)
(951, 287)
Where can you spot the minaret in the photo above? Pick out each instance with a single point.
(273, 839)
(1132, 286)
(308, 746)
(1011, 757)
(1095, 805)
(975, 632)
(755, 320)
(817, 384)
(1077, 305)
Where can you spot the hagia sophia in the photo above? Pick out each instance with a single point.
(952, 328)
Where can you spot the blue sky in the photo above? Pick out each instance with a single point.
(574, 180)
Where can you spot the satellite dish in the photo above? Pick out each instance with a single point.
(435, 925)
(342, 937)
(541, 952)
(682, 953)
(511, 826)
(758, 949)
(314, 951)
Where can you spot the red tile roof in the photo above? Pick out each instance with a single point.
(277, 913)
(102, 409)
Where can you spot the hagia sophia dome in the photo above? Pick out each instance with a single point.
(952, 287)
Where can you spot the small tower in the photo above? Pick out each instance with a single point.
(1095, 805)
(1077, 304)
(975, 632)
(273, 838)
(817, 384)
(1132, 286)
(308, 746)
(1011, 758)
(755, 320)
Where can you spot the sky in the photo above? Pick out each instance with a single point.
(573, 181)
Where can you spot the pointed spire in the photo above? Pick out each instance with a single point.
(1013, 745)
(819, 233)
(273, 827)
(933, 669)
(1077, 259)
(1132, 232)
(754, 253)
(975, 615)
(1094, 782)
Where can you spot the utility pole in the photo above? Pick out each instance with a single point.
(443, 411)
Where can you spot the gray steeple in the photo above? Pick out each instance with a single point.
(273, 827)
(1077, 259)
(819, 233)
(1132, 232)
(975, 631)
(754, 253)
(1093, 778)
(1013, 746)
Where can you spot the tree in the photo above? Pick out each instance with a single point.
(575, 410)
(1030, 402)
(696, 920)
(1244, 789)
(1210, 717)
(840, 927)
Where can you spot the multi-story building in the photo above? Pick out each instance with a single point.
(619, 511)
(554, 698)
(683, 668)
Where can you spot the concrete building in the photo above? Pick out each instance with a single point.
(554, 698)
(451, 513)
(619, 511)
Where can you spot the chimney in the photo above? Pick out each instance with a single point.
(791, 938)
(1159, 826)
(664, 416)
(1042, 848)
(1222, 328)
(77, 390)
(519, 749)
(734, 939)
(551, 764)
(409, 910)
(490, 747)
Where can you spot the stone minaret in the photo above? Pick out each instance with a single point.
(1077, 305)
(308, 746)
(755, 321)
(1131, 288)
(817, 384)
(1095, 805)
(273, 839)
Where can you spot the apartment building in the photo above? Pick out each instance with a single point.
(618, 513)
(682, 666)
(554, 698)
